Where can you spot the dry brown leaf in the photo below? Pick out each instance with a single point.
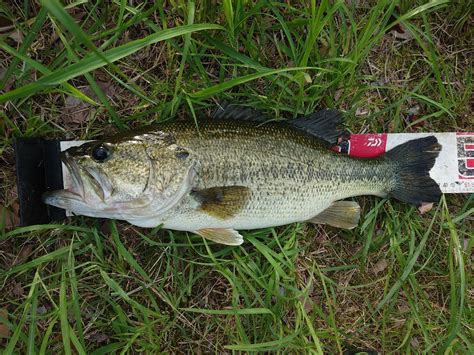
(100, 338)
(402, 34)
(11, 215)
(17, 36)
(338, 94)
(4, 329)
(77, 13)
(380, 266)
(11, 80)
(403, 307)
(42, 310)
(77, 111)
(361, 111)
(415, 342)
(18, 290)
(425, 207)
(24, 253)
(308, 306)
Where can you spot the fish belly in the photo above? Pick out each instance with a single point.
(264, 209)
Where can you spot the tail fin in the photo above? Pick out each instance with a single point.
(413, 161)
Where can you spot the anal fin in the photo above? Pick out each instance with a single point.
(221, 235)
(341, 214)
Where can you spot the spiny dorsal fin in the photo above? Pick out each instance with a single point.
(341, 214)
(323, 124)
(222, 201)
(236, 112)
(221, 236)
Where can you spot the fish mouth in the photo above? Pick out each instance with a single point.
(77, 191)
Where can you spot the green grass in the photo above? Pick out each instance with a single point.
(400, 282)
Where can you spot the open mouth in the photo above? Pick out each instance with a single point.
(76, 190)
(74, 187)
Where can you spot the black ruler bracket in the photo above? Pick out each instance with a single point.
(38, 169)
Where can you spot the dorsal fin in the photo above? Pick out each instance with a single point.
(324, 124)
(236, 112)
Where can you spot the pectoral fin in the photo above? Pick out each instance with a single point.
(222, 201)
(341, 214)
(221, 236)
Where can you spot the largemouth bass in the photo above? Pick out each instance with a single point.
(235, 172)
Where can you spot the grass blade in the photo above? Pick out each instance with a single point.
(93, 61)
(409, 267)
(18, 330)
(213, 90)
(125, 253)
(63, 313)
(235, 312)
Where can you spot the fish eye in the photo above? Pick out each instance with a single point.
(100, 153)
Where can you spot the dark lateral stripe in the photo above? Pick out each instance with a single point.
(38, 169)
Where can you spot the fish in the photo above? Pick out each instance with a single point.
(239, 170)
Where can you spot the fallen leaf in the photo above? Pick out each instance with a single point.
(10, 216)
(41, 310)
(398, 323)
(403, 307)
(24, 253)
(17, 36)
(414, 110)
(425, 207)
(379, 82)
(77, 13)
(401, 34)
(399, 31)
(380, 266)
(77, 111)
(100, 338)
(465, 243)
(413, 117)
(361, 111)
(18, 290)
(308, 306)
(338, 94)
(11, 80)
(4, 329)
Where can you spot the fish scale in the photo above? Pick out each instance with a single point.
(292, 177)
